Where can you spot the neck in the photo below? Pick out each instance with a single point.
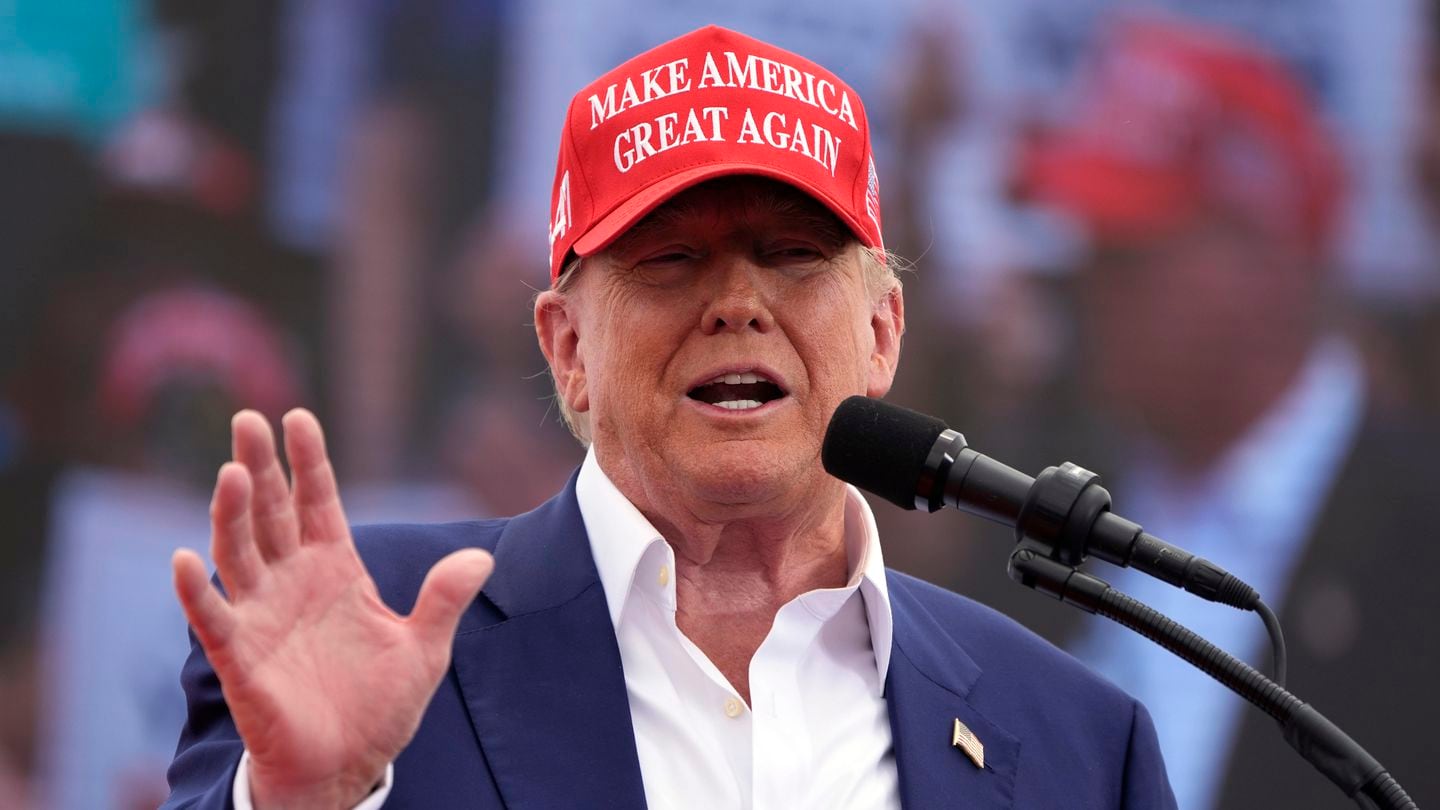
(753, 568)
(735, 571)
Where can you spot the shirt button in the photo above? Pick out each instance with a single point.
(664, 578)
(733, 708)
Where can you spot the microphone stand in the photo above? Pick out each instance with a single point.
(1062, 516)
(1318, 740)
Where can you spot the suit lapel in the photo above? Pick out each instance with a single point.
(546, 693)
(544, 686)
(927, 689)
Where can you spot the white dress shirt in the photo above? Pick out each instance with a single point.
(817, 732)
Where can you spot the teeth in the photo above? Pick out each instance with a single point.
(739, 404)
(747, 377)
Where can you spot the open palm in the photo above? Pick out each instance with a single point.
(326, 684)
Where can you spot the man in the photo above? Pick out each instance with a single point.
(702, 617)
(1211, 191)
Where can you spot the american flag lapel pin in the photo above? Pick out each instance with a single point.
(967, 742)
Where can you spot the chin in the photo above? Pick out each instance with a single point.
(740, 472)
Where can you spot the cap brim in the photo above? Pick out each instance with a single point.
(620, 220)
(1113, 197)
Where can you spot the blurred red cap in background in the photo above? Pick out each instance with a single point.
(1177, 117)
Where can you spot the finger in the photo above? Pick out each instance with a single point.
(317, 501)
(448, 589)
(232, 542)
(206, 610)
(277, 531)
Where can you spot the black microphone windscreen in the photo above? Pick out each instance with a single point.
(879, 447)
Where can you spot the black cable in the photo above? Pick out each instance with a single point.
(1277, 641)
(1324, 745)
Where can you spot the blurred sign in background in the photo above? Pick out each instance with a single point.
(1191, 245)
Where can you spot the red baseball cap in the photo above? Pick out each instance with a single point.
(1178, 116)
(710, 103)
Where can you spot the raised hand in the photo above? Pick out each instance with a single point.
(325, 683)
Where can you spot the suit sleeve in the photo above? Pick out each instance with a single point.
(203, 772)
(1146, 785)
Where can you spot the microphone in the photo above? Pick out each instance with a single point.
(916, 462)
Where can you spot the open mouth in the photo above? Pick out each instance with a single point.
(741, 391)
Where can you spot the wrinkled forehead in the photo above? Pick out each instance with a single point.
(744, 204)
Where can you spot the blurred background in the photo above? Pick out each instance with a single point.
(1192, 245)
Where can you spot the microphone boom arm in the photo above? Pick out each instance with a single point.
(1067, 510)
(1319, 741)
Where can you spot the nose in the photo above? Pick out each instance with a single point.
(737, 300)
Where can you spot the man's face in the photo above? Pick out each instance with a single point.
(1172, 318)
(712, 342)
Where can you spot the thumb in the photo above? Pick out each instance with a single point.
(448, 589)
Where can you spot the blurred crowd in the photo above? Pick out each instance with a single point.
(1192, 245)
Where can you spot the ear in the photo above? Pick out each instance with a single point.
(887, 324)
(555, 328)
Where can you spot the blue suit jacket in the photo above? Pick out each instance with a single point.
(533, 712)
